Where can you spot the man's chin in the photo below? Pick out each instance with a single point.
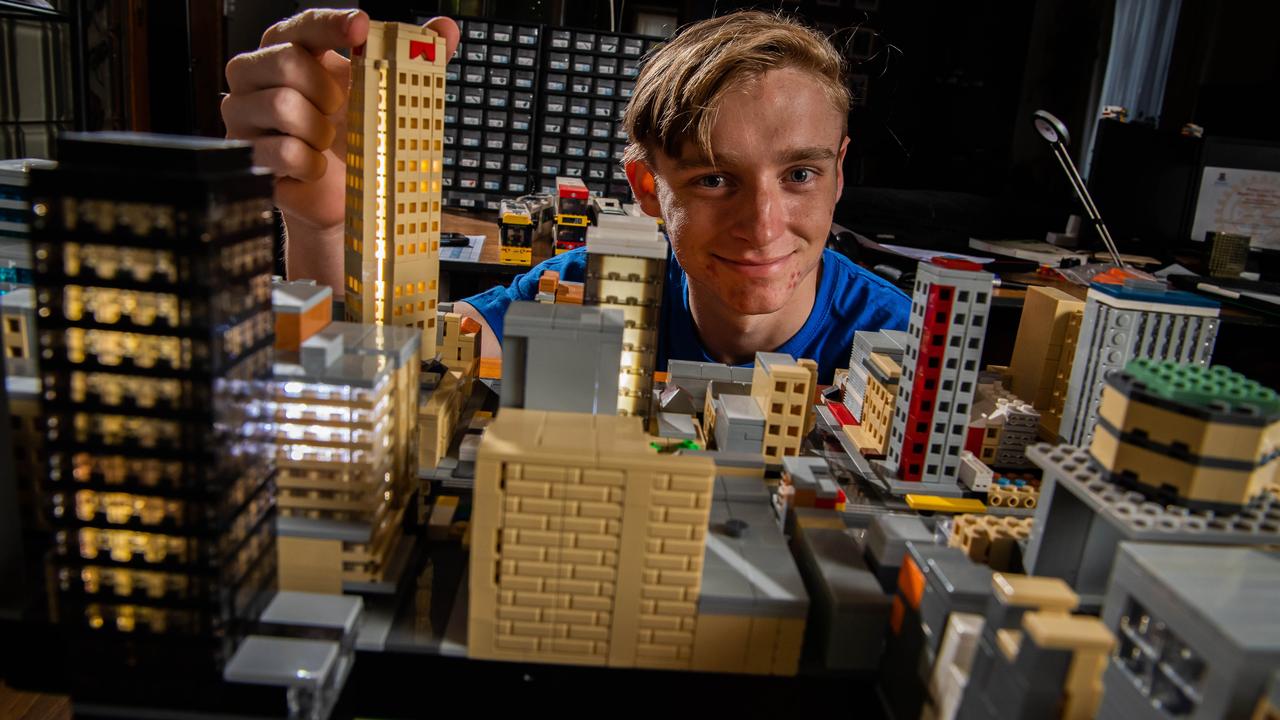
(746, 302)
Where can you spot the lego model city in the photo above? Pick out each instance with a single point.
(207, 465)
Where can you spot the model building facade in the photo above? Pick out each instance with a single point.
(949, 309)
(586, 546)
(1044, 351)
(783, 388)
(345, 413)
(1124, 320)
(626, 268)
(395, 126)
(153, 281)
(1187, 434)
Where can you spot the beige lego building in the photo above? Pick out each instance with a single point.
(872, 436)
(784, 388)
(1044, 351)
(586, 545)
(626, 268)
(459, 343)
(438, 415)
(344, 405)
(395, 127)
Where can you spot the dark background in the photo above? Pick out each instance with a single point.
(942, 149)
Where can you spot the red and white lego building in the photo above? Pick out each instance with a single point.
(949, 309)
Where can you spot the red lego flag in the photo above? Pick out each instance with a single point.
(418, 49)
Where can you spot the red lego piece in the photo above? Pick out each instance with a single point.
(973, 441)
(955, 263)
(924, 389)
(419, 49)
(572, 189)
(841, 414)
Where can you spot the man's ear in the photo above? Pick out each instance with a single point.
(640, 175)
(844, 147)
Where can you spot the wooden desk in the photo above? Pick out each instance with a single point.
(486, 223)
(462, 279)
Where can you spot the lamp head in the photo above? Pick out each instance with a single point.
(1051, 128)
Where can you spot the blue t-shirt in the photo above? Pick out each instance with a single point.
(849, 299)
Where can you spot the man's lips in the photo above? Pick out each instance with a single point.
(755, 267)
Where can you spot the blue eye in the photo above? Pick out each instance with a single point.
(801, 175)
(711, 181)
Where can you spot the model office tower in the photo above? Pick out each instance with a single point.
(626, 267)
(1043, 352)
(1125, 322)
(153, 259)
(345, 411)
(949, 309)
(395, 126)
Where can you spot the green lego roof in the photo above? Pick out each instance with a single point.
(1203, 386)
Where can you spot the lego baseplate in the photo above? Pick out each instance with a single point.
(1256, 524)
(1082, 518)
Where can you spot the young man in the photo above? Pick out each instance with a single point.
(737, 131)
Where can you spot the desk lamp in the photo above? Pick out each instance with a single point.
(1052, 130)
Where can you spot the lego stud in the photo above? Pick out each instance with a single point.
(735, 528)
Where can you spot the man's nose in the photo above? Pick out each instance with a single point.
(761, 216)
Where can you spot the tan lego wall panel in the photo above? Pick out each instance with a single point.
(309, 565)
(586, 548)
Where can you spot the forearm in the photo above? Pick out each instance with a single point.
(314, 254)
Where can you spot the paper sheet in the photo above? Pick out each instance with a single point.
(464, 254)
(1244, 202)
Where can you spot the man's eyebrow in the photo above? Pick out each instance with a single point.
(807, 154)
(693, 163)
(815, 153)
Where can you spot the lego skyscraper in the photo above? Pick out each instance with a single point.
(940, 374)
(626, 266)
(1127, 321)
(395, 126)
(153, 258)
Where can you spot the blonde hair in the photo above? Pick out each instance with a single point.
(682, 82)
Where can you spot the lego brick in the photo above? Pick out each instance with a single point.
(954, 660)
(952, 584)
(310, 565)
(673, 425)
(945, 504)
(321, 350)
(721, 642)
(1213, 607)
(888, 535)
(849, 609)
(677, 400)
(286, 662)
(973, 474)
(1043, 593)
(579, 346)
(314, 610)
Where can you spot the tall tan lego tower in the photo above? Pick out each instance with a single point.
(626, 267)
(395, 126)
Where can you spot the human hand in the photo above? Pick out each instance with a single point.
(289, 97)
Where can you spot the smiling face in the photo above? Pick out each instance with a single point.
(749, 229)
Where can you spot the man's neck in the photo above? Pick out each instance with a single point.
(733, 338)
